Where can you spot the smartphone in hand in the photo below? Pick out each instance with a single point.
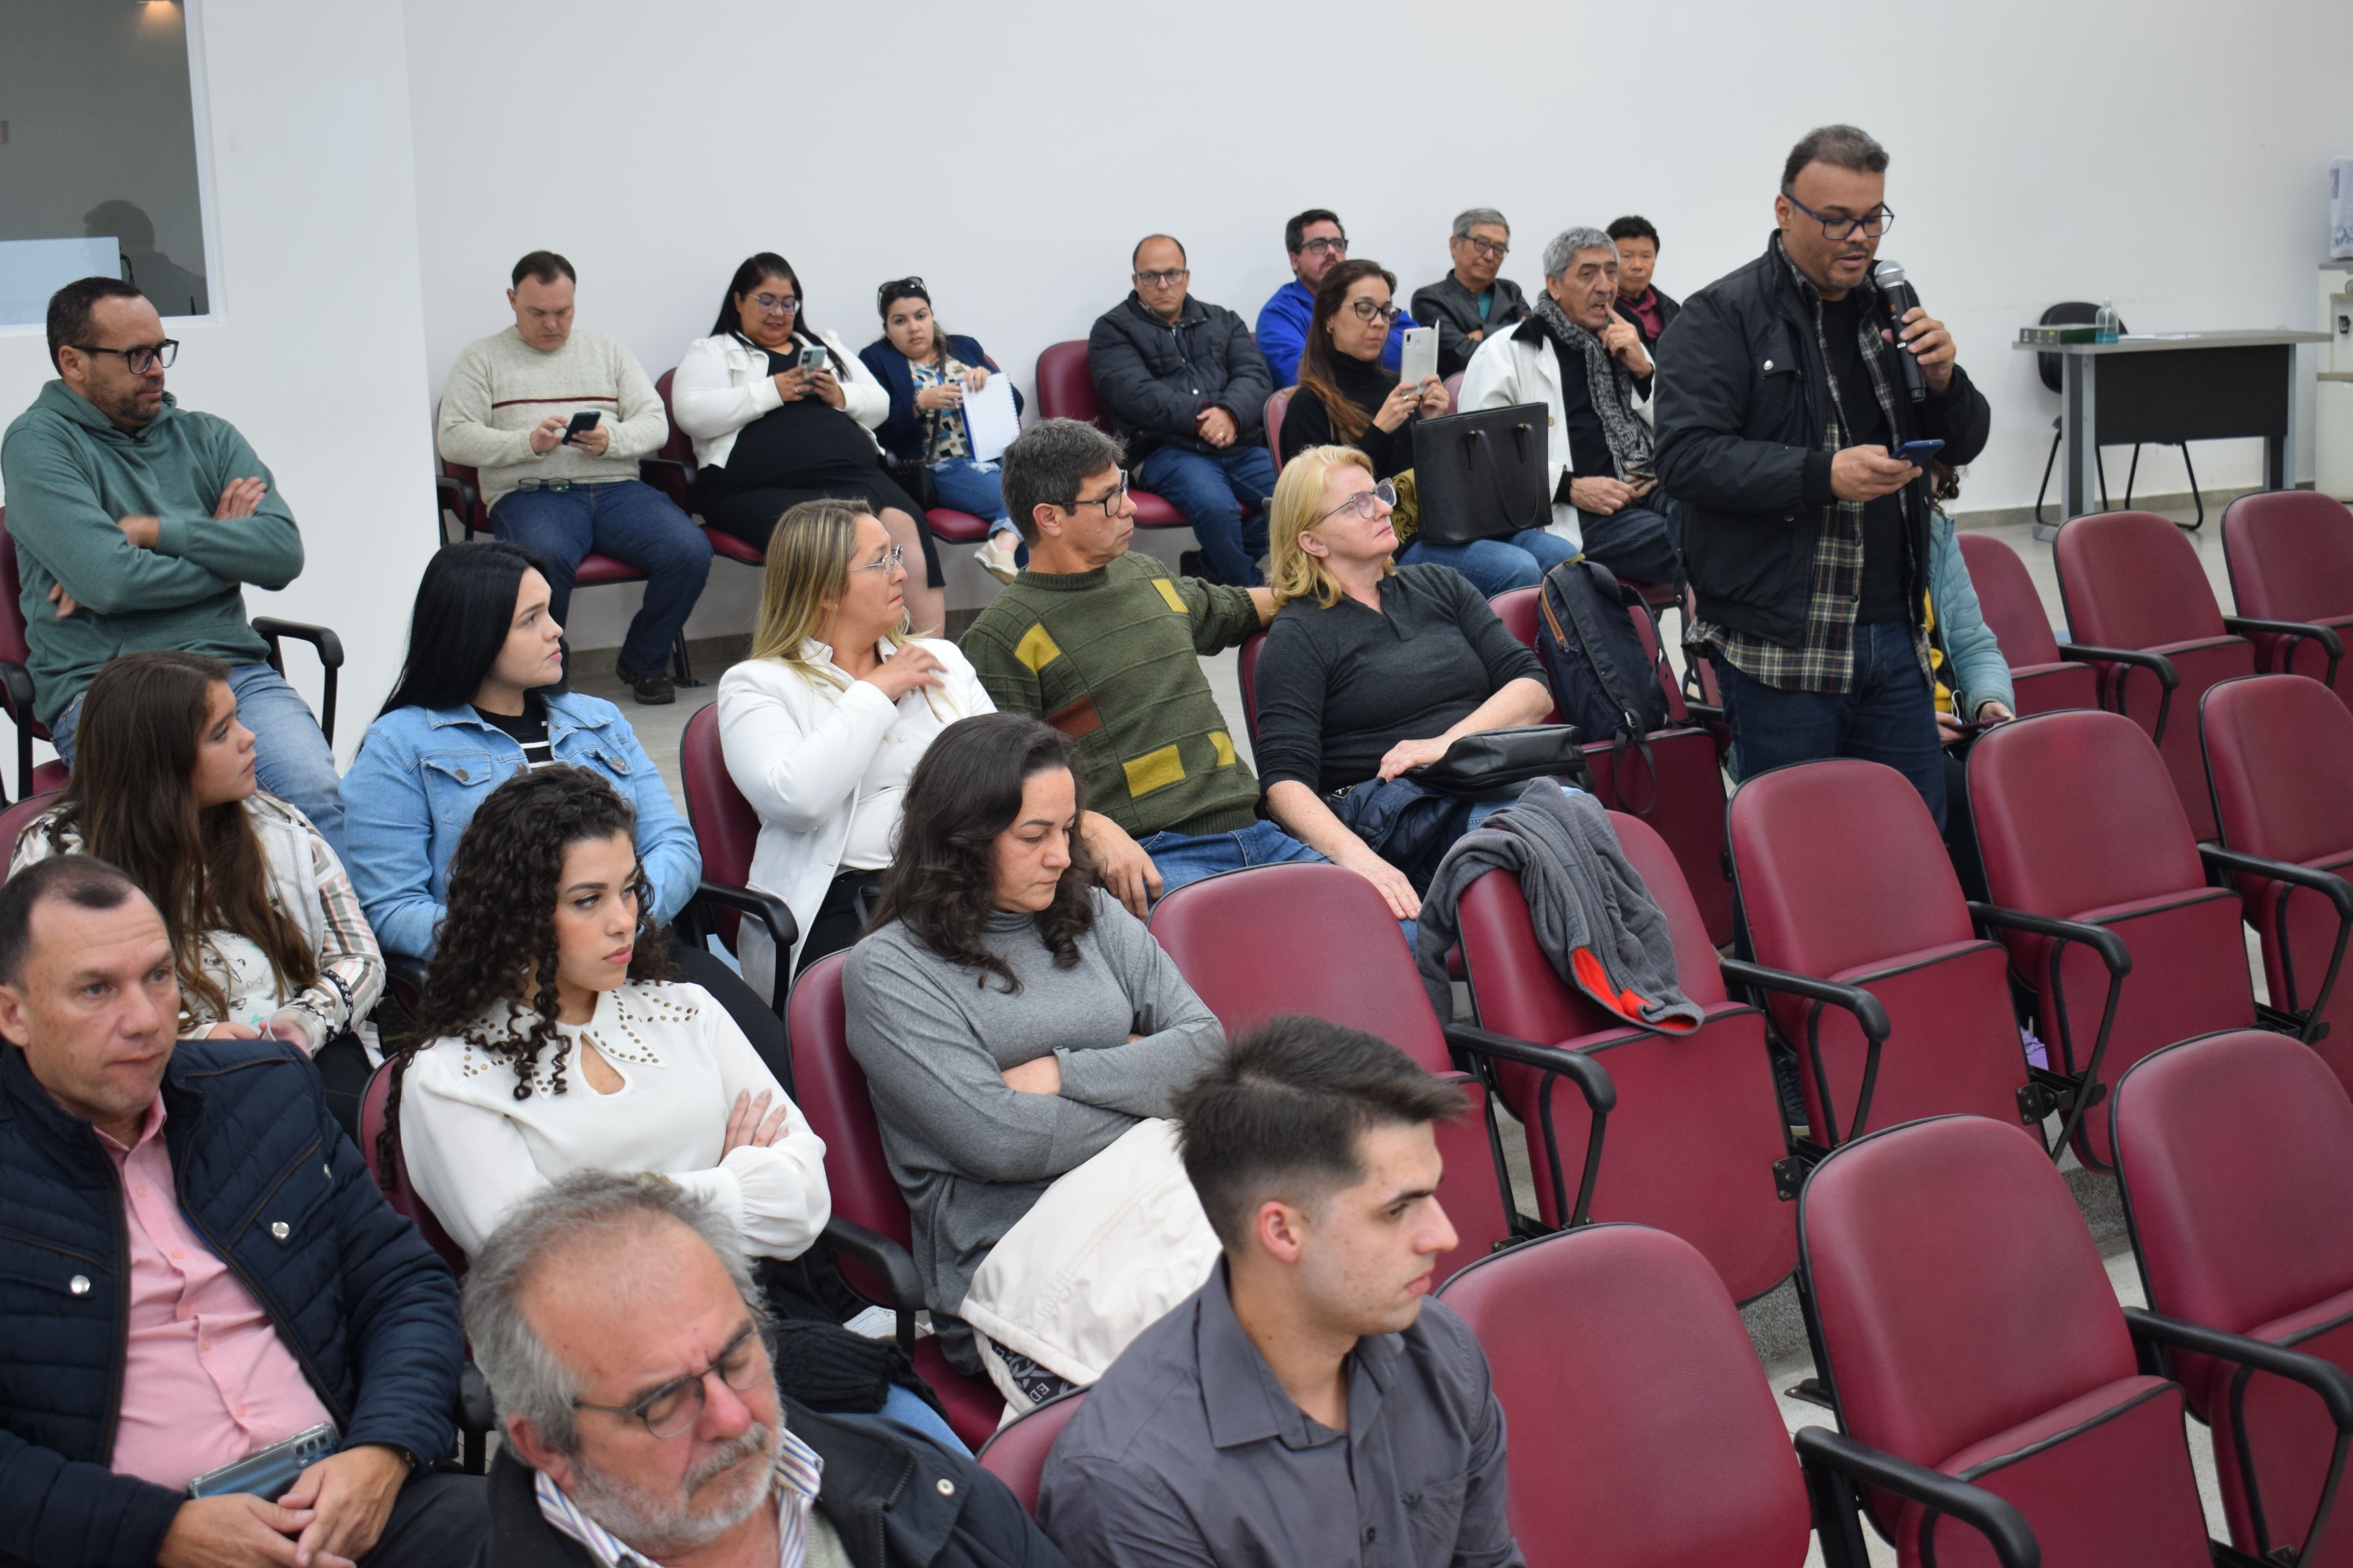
(813, 358)
(1918, 452)
(1418, 360)
(582, 423)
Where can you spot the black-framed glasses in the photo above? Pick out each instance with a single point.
(1325, 245)
(1361, 503)
(1487, 247)
(891, 560)
(1162, 280)
(677, 1406)
(1107, 501)
(1870, 225)
(144, 357)
(784, 304)
(1366, 310)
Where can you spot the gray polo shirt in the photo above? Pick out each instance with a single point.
(1188, 1452)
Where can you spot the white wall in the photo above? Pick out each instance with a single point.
(315, 347)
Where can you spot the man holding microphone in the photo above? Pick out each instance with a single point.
(1797, 399)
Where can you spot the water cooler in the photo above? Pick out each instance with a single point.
(2332, 430)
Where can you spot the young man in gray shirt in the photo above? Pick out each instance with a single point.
(1306, 1406)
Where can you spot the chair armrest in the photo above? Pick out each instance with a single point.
(2162, 666)
(672, 478)
(2332, 645)
(407, 971)
(1592, 1081)
(1870, 1015)
(330, 649)
(1705, 712)
(456, 496)
(2099, 938)
(2331, 1382)
(2330, 886)
(888, 1262)
(2087, 1091)
(768, 909)
(1833, 1462)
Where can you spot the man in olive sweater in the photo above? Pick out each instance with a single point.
(1103, 646)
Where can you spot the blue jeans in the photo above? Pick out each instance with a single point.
(290, 758)
(1211, 492)
(1495, 565)
(1183, 858)
(630, 522)
(1889, 717)
(976, 488)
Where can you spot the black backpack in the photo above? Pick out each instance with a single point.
(1601, 679)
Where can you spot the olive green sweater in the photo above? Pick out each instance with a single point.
(1110, 658)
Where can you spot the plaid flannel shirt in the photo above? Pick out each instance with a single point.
(1824, 660)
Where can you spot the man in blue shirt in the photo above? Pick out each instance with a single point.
(1318, 244)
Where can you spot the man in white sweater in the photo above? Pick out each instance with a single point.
(554, 421)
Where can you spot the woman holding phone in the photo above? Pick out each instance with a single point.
(782, 413)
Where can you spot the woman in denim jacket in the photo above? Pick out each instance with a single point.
(471, 709)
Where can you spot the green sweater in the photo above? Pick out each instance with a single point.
(69, 474)
(1109, 657)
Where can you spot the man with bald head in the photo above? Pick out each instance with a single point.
(616, 1320)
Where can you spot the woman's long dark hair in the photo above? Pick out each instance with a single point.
(498, 933)
(465, 608)
(966, 790)
(142, 721)
(757, 270)
(1319, 370)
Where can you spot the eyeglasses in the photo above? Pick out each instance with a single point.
(892, 559)
(1366, 310)
(1106, 501)
(1361, 503)
(1487, 247)
(1871, 224)
(1162, 280)
(676, 1406)
(782, 304)
(142, 359)
(1325, 246)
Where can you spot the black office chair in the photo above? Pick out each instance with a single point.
(2078, 313)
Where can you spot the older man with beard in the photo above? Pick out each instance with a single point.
(617, 1323)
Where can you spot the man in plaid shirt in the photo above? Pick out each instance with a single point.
(1780, 398)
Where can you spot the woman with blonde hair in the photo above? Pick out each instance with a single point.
(823, 723)
(1370, 668)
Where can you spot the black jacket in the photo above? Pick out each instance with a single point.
(1154, 377)
(269, 1179)
(896, 1503)
(1741, 406)
(1454, 312)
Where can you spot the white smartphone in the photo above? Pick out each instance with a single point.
(1419, 355)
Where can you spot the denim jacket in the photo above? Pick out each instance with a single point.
(423, 772)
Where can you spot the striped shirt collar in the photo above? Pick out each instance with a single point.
(797, 1471)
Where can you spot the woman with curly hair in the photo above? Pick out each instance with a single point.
(1012, 1017)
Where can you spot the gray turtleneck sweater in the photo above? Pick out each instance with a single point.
(971, 1154)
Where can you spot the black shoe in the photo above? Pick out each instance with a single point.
(1188, 564)
(650, 690)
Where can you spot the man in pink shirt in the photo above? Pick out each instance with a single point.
(195, 1265)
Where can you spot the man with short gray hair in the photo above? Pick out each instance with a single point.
(1467, 300)
(1585, 363)
(616, 1319)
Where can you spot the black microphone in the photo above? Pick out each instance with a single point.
(1897, 293)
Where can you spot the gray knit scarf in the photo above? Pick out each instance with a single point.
(1608, 385)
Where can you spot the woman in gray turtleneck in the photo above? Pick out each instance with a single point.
(1012, 1018)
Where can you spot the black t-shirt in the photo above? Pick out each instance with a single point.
(1588, 444)
(529, 728)
(1866, 424)
(794, 445)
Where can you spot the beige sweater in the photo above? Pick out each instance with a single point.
(502, 388)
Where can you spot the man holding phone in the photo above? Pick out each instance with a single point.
(554, 421)
(1788, 436)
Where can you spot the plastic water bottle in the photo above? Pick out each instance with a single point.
(2104, 325)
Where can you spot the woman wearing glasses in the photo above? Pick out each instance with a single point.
(1369, 669)
(928, 374)
(822, 725)
(782, 413)
(1346, 398)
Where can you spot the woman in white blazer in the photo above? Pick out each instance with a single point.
(822, 725)
(782, 413)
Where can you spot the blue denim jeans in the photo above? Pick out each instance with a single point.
(290, 758)
(1183, 858)
(1495, 565)
(1211, 492)
(630, 522)
(976, 488)
(1889, 716)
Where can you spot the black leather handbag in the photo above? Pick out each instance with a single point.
(1481, 475)
(1495, 762)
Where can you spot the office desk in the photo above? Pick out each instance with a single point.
(2160, 388)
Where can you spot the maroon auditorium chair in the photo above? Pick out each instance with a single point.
(1672, 781)
(1962, 1319)
(1643, 1434)
(2290, 556)
(2043, 680)
(1277, 405)
(1016, 1454)
(2259, 1247)
(869, 1233)
(1695, 1144)
(1066, 390)
(2279, 753)
(1236, 939)
(1844, 878)
(19, 816)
